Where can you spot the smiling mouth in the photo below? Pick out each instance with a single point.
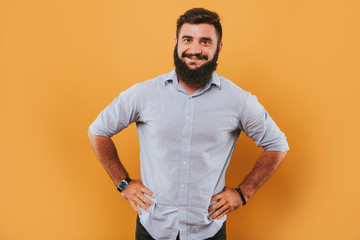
(195, 56)
(193, 61)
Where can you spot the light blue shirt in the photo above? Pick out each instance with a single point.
(186, 143)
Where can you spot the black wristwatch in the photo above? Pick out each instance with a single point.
(241, 195)
(123, 184)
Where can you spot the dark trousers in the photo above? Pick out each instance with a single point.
(142, 234)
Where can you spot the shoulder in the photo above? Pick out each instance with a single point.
(243, 101)
(155, 82)
(228, 87)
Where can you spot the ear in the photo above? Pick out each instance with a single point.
(175, 41)
(220, 46)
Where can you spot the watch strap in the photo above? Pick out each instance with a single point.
(241, 195)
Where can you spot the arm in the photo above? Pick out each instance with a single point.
(106, 152)
(264, 167)
(229, 199)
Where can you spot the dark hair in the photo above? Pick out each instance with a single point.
(197, 16)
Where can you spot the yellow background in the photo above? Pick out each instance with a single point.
(62, 62)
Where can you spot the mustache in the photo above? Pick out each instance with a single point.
(198, 55)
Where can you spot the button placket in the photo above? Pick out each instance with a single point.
(184, 164)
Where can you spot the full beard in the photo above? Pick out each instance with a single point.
(195, 77)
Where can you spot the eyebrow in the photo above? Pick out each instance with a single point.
(186, 36)
(203, 38)
(206, 38)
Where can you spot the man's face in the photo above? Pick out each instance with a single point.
(197, 44)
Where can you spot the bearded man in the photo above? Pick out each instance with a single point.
(188, 122)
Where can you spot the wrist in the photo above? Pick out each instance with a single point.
(242, 197)
(122, 185)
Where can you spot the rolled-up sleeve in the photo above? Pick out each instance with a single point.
(123, 111)
(259, 126)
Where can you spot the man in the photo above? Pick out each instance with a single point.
(188, 123)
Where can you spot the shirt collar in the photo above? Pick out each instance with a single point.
(172, 77)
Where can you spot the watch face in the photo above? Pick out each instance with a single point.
(122, 185)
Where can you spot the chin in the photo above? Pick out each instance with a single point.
(193, 67)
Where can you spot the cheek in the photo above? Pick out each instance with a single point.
(211, 54)
(181, 50)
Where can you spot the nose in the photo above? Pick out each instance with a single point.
(195, 48)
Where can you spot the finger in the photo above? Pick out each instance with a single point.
(145, 199)
(216, 197)
(223, 213)
(134, 206)
(218, 212)
(142, 204)
(148, 192)
(216, 205)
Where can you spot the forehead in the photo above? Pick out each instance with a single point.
(198, 30)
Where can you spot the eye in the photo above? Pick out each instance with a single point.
(187, 40)
(206, 42)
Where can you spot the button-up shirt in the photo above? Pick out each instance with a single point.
(186, 142)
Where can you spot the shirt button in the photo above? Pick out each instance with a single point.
(183, 186)
(188, 118)
(184, 163)
(190, 97)
(186, 141)
(181, 208)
